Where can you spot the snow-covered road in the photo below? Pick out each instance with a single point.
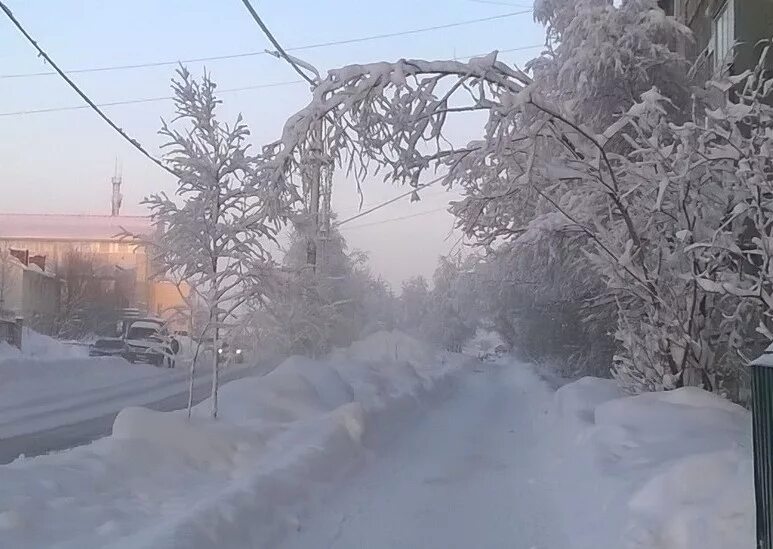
(37, 428)
(468, 474)
(387, 444)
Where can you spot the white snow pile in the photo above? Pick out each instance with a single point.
(39, 346)
(242, 480)
(668, 470)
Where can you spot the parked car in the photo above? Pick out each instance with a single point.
(140, 340)
(147, 340)
(108, 346)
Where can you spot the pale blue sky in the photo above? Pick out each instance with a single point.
(62, 161)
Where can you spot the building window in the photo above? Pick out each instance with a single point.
(724, 35)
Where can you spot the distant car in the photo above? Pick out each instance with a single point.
(228, 354)
(141, 340)
(494, 354)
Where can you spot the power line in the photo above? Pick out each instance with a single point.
(401, 218)
(388, 202)
(422, 197)
(225, 90)
(72, 84)
(276, 44)
(257, 53)
(146, 99)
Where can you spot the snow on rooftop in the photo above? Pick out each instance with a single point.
(15, 226)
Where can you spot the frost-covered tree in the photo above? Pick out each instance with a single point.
(450, 318)
(544, 299)
(213, 234)
(414, 303)
(600, 57)
(87, 304)
(311, 310)
(603, 144)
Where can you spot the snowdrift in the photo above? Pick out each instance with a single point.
(670, 470)
(42, 347)
(161, 480)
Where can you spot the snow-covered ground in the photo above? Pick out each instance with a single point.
(390, 444)
(468, 475)
(162, 481)
(508, 462)
(668, 470)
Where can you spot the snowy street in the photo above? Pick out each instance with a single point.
(389, 443)
(468, 474)
(54, 397)
(464, 275)
(31, 431)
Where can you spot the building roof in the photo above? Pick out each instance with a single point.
(67, 227)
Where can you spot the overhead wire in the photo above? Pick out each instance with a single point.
(133, 142)
(422, 197)
(263, 52)
(390, 201)
(146, 99)
(225, 90)
(276, 44)
(401, 218)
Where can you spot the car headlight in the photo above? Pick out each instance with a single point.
(220, 351)
(238, 351)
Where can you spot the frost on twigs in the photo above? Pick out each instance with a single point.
(390, 117)
(213, 235)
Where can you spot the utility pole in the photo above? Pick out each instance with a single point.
(319, 202)
(314, 192)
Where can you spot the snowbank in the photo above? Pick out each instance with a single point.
(667, 470)
(43, 347)
(161, 480)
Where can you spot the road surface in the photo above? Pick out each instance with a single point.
(468, 475)
(85, 431)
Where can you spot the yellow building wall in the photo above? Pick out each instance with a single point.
(168, 301)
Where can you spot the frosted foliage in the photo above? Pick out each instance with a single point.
(310, 311)
(661, 196)
(606, 56)
(213, 235)
(450, 317)
(389, 116)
